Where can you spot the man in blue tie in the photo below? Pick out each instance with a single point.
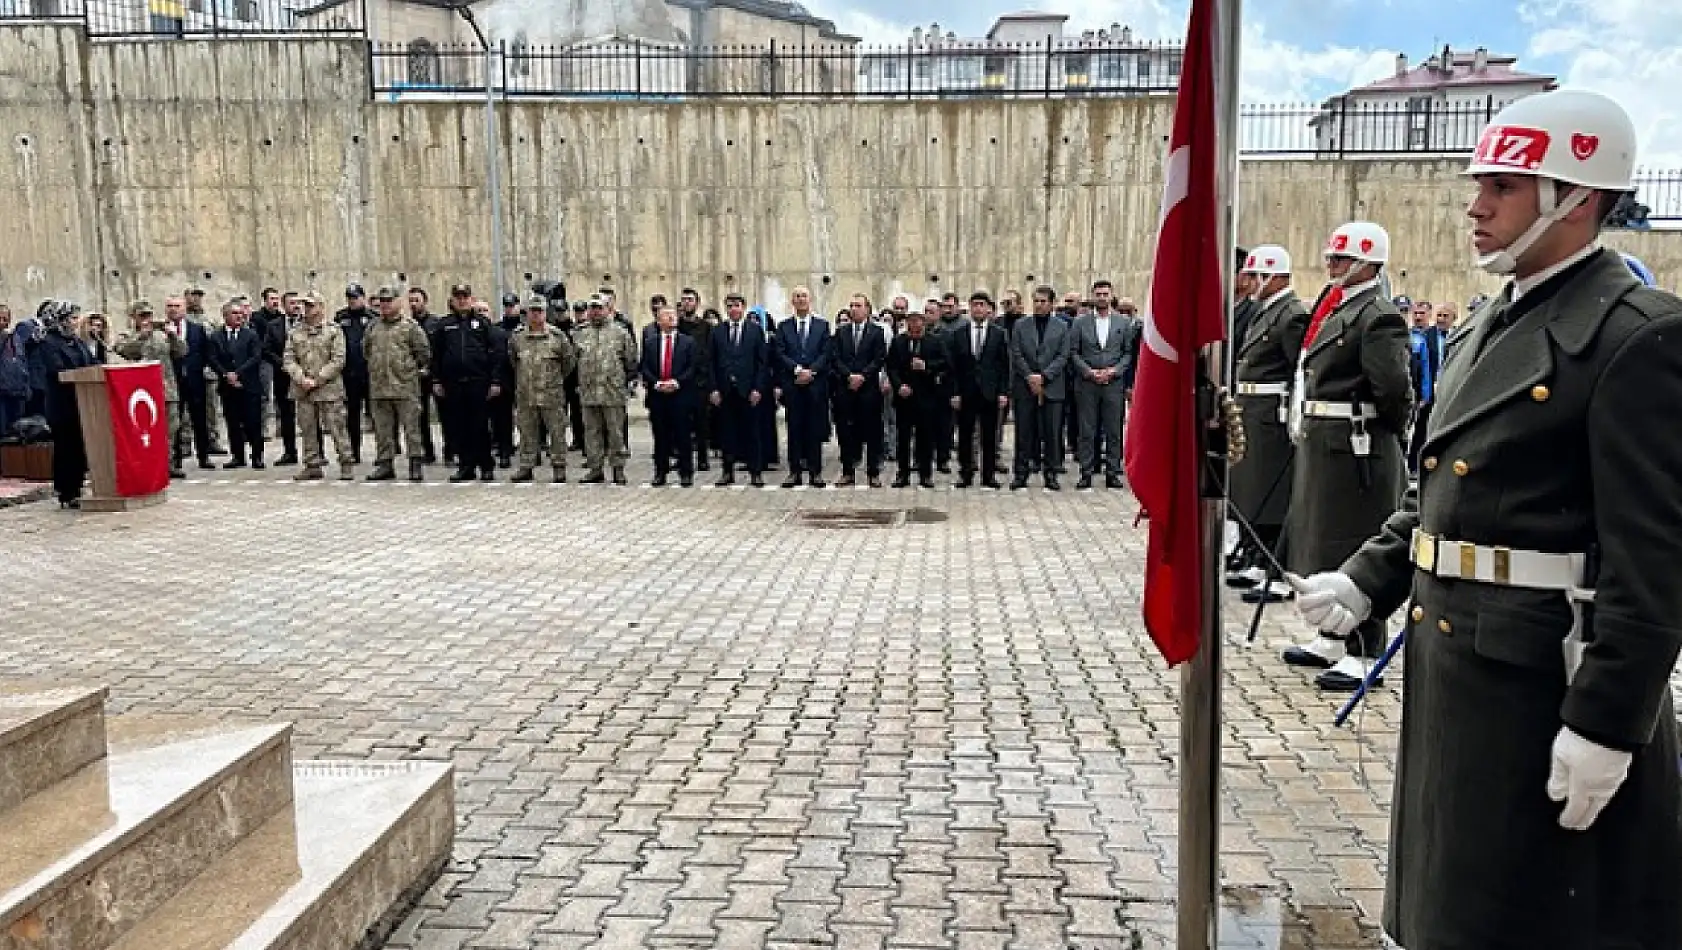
(741, 384)
(804, 355)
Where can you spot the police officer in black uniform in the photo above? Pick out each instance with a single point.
(353, 321)
(469, 369)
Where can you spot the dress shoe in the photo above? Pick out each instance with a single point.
(461, 475)
(1347, 675)
(488, 475)
(991, 483)
(1114, 482)
(658, 482)
(619, 476)
(686, 481)
(382, 473)
(290, 458)
(1273, 593)
(594, 478)
(1017, 484)
(757, 482)
(846, 481)
(177, 472)
(236, 463)
(901, 481)
(70, 503)
(1051, 483)
(725, 479)
(206, 464)
(875, 481)
(1322, 652)
(1245, 578)
(816, 482)
(925, 483)
(258, 464)
(793, 481)
(964, 481)
(1084, 483)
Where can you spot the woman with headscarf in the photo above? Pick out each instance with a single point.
(63, 347)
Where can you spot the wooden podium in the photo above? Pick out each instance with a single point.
(93, 406)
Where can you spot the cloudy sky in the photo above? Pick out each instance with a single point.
(1304, 50)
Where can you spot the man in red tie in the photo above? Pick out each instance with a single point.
(1350, 407)
(668, 370)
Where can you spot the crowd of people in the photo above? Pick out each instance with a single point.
(928, 388)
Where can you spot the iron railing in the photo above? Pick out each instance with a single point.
(630, 69)
(193, 18)
(1658, 195)
(1341, 127)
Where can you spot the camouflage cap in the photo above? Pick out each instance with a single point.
(386, 292)
(311, 299)
(195, 290)
(139, 307)
(537, 302)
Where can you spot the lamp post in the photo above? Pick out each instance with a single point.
(493, 175)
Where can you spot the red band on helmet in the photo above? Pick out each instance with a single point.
(1513, 146)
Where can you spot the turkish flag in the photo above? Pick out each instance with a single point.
(1187, 312)
(139, 427)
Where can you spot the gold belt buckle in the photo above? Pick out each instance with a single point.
(1425, 552)
(1503, 565)
(1468, 560)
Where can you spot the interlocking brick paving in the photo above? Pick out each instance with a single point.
(681, 720)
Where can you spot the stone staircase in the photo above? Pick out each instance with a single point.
(138, 834)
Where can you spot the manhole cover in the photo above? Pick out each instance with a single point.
(847, 517)
(925, 516)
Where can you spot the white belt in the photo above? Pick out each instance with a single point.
(1264, 389)
(1320, 409)
(1460, 560)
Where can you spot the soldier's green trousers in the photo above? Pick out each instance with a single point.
(312, 418)
(535, 422)
(174, 411)
(604, 437)
(390, 415)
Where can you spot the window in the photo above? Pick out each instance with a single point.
(519, 56)
(424, 65)
(245, 10)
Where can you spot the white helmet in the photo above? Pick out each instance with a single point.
(1573, 136)
(1360, 240)
(1569, 137)
(1268, 260)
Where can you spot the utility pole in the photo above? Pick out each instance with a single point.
(493, 167)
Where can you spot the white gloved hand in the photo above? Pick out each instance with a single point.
(1585, 776)
(1330, 601)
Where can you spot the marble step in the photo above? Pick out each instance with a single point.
(85, 860)
(45, 737)
(335, 873)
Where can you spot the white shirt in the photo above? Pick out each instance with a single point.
(1524, 285)
(1103, 324)
(1275, 298)
(977, 336)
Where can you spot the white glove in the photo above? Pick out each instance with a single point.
(1330, 601)
(1585, 776)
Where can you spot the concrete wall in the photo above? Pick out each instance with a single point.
(139, 166)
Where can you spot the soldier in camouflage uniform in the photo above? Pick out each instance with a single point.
(398, 352)
(315, 362)
(607, 356)
(543, 357)
(147, 341)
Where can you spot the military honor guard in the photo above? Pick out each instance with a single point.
(1537, 799)
(1351, 400)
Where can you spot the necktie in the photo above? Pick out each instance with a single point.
(858, 336)
(803, 333)
(736, 333)
(666, 356)
(1328, 303)
(975, 343)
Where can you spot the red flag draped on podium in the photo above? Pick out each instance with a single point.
(1186, 313)
(139, 428)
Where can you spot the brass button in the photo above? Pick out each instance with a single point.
(1418, 614)
(1460, 467)
(1445, 626)
(1540, 394)
(1430, 463)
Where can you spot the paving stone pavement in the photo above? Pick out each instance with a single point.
(681, 721)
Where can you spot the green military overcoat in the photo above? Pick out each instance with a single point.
(1558, 435)
(1260, 485)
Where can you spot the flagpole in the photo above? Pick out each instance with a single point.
(1200, 679)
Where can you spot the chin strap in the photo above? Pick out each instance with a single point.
(1505, 261)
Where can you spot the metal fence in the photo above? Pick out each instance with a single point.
(1660, 194)
(617, 69)
(1341, 127)
(193, 18)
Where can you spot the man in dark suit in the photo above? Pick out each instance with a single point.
(741, 382)
(803, 357)
(189, 377)
(861, 350)
(235, 354)
(669, 367)
(978, 359)
(1039, 351)
(916, 373)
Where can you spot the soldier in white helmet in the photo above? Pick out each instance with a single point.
(1351, 400)
(1538, 801)
(1266, 361)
